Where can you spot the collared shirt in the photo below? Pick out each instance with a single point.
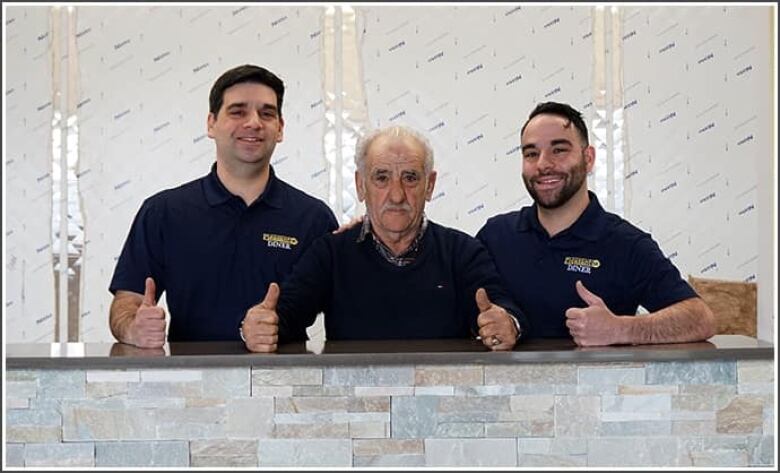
(614, 259)
(213, 255)
(405, 258)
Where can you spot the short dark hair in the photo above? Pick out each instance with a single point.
(562, 110)
(239, 75)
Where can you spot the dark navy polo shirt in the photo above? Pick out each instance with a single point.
(614, 259)
(213, 255)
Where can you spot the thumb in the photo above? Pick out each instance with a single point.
(587, 296)
(150, 297)
(271, 297)
(483, 302)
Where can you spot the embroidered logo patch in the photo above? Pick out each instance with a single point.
(580, 265)
(279, 241)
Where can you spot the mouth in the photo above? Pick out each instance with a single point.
(396, 210)
(249, 139)
(548, 182)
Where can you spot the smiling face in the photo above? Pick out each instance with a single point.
(248, 126)
(556, 161)
(395, 186)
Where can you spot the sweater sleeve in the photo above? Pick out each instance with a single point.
(307, 291)
(478, 271)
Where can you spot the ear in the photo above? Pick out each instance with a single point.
(210, 121)
(590, 158)
(280, 133)
(360, 186)
(430, 185)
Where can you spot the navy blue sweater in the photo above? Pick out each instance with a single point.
(363, 296)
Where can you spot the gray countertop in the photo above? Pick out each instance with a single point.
(386, 352)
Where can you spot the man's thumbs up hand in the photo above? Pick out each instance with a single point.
(595, 324)
(496, 327)
(260, 327)
(147, 329)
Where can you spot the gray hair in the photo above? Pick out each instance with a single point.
(392, 131)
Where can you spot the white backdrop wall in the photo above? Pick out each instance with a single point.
(468, 77)
(676, 98)
(28, 303)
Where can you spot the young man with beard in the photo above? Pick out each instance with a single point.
(575, 269)
(215, 243)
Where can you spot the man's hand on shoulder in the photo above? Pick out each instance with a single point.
(349, 225)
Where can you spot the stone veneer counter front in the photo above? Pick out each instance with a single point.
(431, 403)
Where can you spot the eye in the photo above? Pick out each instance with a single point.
(268, 114)
(560, 150)
(380, 179)
(236, 112)
(530, 154)
(410, 178)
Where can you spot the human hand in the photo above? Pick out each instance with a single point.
(147, 329)
(496, 327)
(594, 325)
(260, 328)
(347, 226)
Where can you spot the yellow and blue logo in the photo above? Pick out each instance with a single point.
(280, 241)
(577, 264)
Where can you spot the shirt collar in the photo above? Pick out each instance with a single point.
(404, 258)
(589, 225)
(365, 229)
(217, 194)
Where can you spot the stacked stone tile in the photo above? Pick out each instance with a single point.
(676, 414)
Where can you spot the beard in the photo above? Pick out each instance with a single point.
(572, 181)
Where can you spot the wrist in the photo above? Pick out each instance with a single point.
(626, 328)
(124, 332)
(516, 323)
(241, 331)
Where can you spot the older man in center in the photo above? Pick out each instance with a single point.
(396, 276)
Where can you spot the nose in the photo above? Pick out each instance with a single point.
(545, 160)
(253, 120)
(396, 193)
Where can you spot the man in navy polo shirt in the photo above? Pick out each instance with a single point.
(396, 276)
(575, 269)
(215, 244)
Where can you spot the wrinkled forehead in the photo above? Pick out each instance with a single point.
(395, 152)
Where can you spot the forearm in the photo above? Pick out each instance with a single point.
(690, 320)
(122, 313)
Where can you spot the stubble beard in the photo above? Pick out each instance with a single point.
(573, 180)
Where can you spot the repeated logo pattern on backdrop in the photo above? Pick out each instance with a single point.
(697, 81)
(695, 119)
(29, 303)
(468, 77)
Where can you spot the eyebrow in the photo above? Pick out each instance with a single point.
(561, 141)
(266, 106)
